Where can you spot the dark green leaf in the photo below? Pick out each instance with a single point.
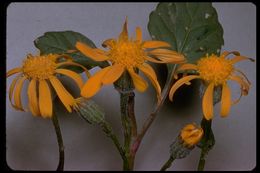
(62, 41)
(191, 28)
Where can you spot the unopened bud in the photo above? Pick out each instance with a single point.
(89, 110)
(191, 134)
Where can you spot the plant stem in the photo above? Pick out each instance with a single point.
(202, 161)
(207, 142)
(125, 118)
(109, 132)
(125, 87)
(131, 114)
(129, 126)
(167, 164)
(60, 142)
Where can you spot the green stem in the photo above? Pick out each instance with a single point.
(125, 88)
(129, 126)
(167, 164)
(131, 114)
(126, 122)
(109, 132)
(202, 161)
(207, 142)
(60, 142)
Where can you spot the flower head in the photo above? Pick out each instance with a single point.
(215, 71)
(127, 54)
(191, 135)
(40, 71)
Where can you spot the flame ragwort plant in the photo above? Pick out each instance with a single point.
(121, 62)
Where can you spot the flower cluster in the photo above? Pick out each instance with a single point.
(125, 55)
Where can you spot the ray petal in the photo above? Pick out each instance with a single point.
(179, 83)
(150, 73)
(155, 44)
(139, 83)
(124, 34)
(11, 90)
(138, 34)
(71, 74)
(113, 74)
(93, 85)
(74, 64)
(207, 102)
(90, 52)
(32, 98)
(13, 71)
(225, 100)
(17, 93)
(65, 97)
(45, 101)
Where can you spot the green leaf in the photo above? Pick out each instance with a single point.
(191, 28)
(62, 41)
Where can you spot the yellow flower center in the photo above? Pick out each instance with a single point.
(215, 69)
(128, 53)
(39, 67)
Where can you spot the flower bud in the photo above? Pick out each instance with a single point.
(89, 110)
(191, 135)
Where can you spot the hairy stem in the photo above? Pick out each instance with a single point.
(126, 121)
(109, 132)
(60, 142)
(129, 126)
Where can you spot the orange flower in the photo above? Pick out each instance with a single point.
(126, 54)
(215, 71)
(41, 70)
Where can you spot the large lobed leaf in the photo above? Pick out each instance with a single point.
(62, 41)
(191, 28)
